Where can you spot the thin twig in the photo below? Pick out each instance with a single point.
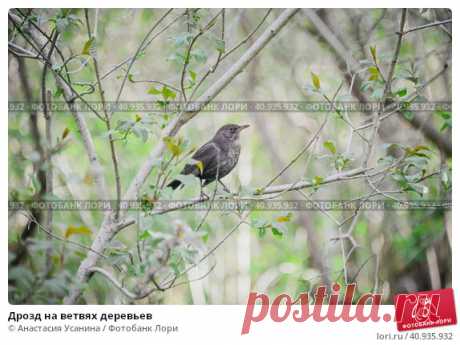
(248, 37)
(136, 54)
(299, 154)
(172, 87)
(107, 122)
(208, 26)
(386, 90)
(421, 27)
(213, 68)
(115, 282)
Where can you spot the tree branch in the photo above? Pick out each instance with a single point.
(107, 118)
(421, 27)
(189, 50)
(386, 90)
(68, 94)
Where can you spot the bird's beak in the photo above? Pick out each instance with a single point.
(243, 127)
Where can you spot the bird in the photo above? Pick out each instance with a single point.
(218, 157)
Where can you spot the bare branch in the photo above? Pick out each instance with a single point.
(115, 282)
(346, 175)
(159, 82)
(421, 27)
(248, 37)
(301, 152)
(23, 52)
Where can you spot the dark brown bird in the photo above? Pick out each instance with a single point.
(218, 156)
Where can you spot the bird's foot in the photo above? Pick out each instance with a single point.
(225, 187)
(204, 196)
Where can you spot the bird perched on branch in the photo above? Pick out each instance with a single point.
(215, 159)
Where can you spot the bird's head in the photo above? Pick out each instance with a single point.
(230, 132)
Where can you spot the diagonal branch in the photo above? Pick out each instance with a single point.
(421, 27)
(386, 90)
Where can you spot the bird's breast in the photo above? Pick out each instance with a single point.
(234, 154)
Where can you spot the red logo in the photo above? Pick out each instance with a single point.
(425, 309)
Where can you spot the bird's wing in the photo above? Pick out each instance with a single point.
(207, 155)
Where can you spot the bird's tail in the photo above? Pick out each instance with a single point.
(174, 184)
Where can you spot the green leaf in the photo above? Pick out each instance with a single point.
(261, 225)
(277, 233)
(341, 162)
(315, 81)
(192, 75)
(317, 180)
(77, 230)
(373, 70)
(417, 151)
(153, 91)
(182, 38)
(401, 92)
(374, 73)
(199, 55)
(177, 58)
(444, 114)
(373, 51)
(220, 45)
(445, 125)
(59, 92)
(261, 232)
(168, 93)
(87, 47)
(447, 117)
(65, 133)
(284, 218)
(329, 144)
(373, 77)
(145, 235)
(421, 148)
(172, 146)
